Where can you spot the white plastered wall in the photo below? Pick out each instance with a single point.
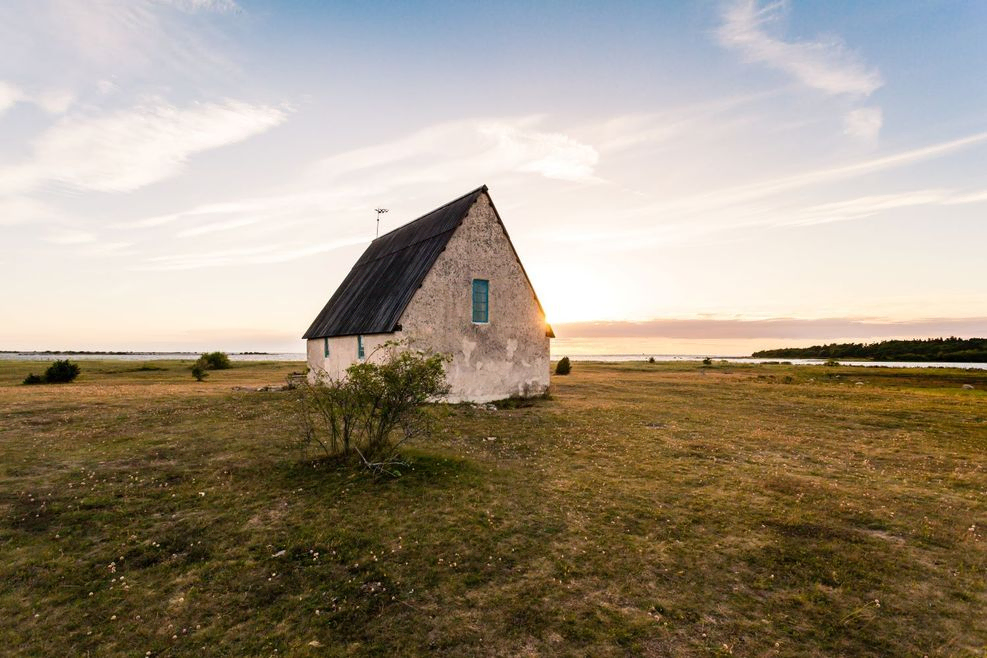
(342, 354)
(509, 355)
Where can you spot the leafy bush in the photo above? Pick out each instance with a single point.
(199, 371)
(365, 417)
(33, 379)
(215, 361)
(61, 372)
(707, 361)
(563, 367)
(651, 359)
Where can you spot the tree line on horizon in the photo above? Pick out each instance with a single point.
(952, 349)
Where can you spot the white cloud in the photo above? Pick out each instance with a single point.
(766, 203)
(864, 122)
(9, 95)
(475, 147)
(23, 210)
(69, 237)
(129, 149)
(52, 101)
(826, 65)
(552, 155)
(863, 207)
(747, 193)
(265, 254)
(969, 197)
(193, 6)
(215, 227)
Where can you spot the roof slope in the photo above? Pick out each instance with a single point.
(372, 297)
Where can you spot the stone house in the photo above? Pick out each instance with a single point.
(448, 282)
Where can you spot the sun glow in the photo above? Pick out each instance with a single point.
(580, 295)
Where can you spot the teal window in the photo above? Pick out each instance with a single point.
(325, 347)
(481, 300)
(359, 347)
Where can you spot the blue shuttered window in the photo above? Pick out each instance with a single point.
(481, 300)
(359, 347)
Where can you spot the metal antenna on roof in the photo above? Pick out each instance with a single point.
(380, 211)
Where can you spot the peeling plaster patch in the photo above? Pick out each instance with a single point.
(511, 348)
(468, 347)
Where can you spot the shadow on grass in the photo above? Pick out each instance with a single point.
(421, 470)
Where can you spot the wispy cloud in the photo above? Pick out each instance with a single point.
(129, 149)
(192, 6)
(864, 122)
(257, 255)
(52, 101)
(16, 209)
(216, 227)
(755, 191)
(474, 146)
(9, 95)
(69, 237)
(332, 199)
(768, 202)
(823, 64)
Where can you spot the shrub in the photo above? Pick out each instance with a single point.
(651, 359)
(832, 363)
(33, 379)
(199, 372)
(707, 361)
(365, 417)
(61, 372)
(563, 367)
(215, 361)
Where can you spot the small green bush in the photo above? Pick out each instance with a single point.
(61, 372)
(564, 367)
(367, 416)
(33, 379)
(199, 372)
(215, 361)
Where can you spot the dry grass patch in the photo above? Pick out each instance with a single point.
(664, 509)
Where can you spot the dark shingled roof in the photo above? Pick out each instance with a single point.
(372, 297)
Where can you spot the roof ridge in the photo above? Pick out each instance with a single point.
(482, 188)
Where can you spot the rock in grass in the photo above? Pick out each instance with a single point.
(967, 387)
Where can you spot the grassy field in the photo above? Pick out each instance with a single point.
(665, 509)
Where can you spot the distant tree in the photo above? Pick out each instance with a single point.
(563, 367)
(707, 361)
(651, 359)
(61, 372)
(215, 361)
(952, 349)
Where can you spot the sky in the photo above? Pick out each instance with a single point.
(677, 177)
